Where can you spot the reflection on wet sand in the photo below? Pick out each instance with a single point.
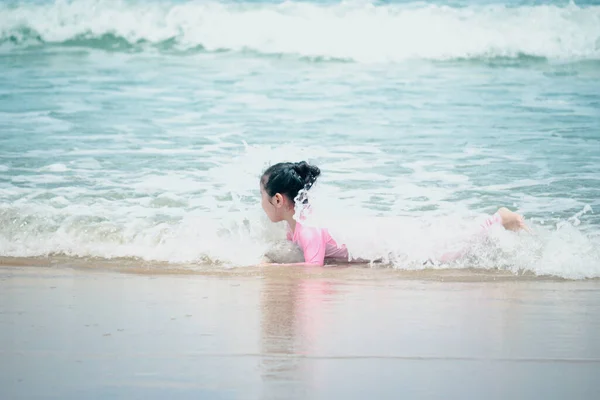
(291, 307)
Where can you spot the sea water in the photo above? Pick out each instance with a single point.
(139, 129)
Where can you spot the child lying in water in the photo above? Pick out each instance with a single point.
(279, 187)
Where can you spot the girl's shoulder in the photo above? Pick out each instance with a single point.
(305, 232)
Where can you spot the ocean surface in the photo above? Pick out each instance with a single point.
(138, 130)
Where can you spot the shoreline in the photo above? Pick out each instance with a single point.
(347, 271)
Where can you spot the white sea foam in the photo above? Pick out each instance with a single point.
(214, 216)
(358, 31)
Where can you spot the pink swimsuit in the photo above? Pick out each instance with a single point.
(317, 244)
(485, 226)
(491, 221)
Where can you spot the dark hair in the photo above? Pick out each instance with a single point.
(289, 178)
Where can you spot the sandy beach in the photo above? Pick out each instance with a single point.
(281, 333)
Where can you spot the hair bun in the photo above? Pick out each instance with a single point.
(308, 173)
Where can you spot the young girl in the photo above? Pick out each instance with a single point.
(279, 187)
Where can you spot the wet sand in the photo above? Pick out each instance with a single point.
(293, 333)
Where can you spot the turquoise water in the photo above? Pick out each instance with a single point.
(139, 129)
